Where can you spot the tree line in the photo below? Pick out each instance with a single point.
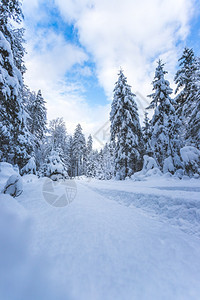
(171, 137)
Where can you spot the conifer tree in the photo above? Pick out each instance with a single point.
(59, 140)
(15, 139)
(165, 140)
(79, 152)
(184, 80)
(146, 130)
(126, 131)
(89, 144)
(38, 117)
(193, 128)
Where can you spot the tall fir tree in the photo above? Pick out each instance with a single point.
(79, 152)
(185, 91)
(165, 140)
(38, 117)
(193, 127)
(146, 130)
(59, 140)
(15, 139)
(126, 131)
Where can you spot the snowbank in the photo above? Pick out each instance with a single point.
(184, 212)
(150, 169)
(14, 186)
(191, 160)
(6, 170)
(23, 276)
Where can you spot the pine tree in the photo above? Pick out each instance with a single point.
(184, 81)
(193, 128)
(146, 130)
(89, 144)
(90, 164)
(126, 131)
(54, 166)
(165, 140)
(15, 139)
(79, 152)
(107, 163)
(38, 116)
(59, 140)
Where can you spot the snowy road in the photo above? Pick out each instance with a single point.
(100, 249)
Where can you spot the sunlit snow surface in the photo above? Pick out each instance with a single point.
(116, 240)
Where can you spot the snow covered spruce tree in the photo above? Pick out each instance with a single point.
(146, 130)
(184, 79)
(126, 131)
(59, 139)
(165, 140)
(38, 117)
(193, 126)
(79, 152)
(54, 166)
(105, 164)
(36, 121)
(15, 141)
(90, 163)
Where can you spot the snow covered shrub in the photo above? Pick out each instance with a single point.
(14, 186)
(30, 167)
(150, 168)
(149, 163)
(191, 160)
(54, 167)
(179, 173)
(168, 165)
(6, 170)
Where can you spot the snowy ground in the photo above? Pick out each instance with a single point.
(115, 240)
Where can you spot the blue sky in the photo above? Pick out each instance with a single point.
(75, 49)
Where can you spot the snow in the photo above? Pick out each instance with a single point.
(190, 154)
(6, 170)
(150, 169)
(14, 186)
(168, 165)
(116, 240)
(30, 167)
(23, 275)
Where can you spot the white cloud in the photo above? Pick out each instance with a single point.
(50, 56)
(132, 34)
(129, 33)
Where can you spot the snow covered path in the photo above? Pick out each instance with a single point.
(100, 249)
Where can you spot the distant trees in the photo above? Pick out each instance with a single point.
(79, 152)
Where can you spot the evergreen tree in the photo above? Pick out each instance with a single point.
(79, 152)
(165, 140)
(38, 116)
(91, 164)
(184, 80)
(146, 130)
(99, 166)
(105, 168)
(59, 140)
(193, 128)
(15, 139)
(126, 131)
(70, 152)
(54, 166)
(89, 144)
